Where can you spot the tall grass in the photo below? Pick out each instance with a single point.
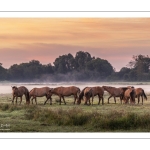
(93, 121)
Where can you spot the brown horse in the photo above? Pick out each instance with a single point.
(40, 92)
(140, 92)
(129, 94)
(115, 92)
(65, 91)
(19, 92)
(89, 92)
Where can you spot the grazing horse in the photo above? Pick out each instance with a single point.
(115, 92)
(89, 92)
(140, 92)
(65, 91)
(40, 92)
(129, 94)
(19, 92)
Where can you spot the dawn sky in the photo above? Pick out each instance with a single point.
(44, 39)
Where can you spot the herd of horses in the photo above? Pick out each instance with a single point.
(126, 94)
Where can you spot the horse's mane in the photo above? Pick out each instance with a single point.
(82, 93)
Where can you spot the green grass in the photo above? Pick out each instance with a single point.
(73, 118)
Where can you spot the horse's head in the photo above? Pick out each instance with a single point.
(50, 92)
(78, 101)
(14, 89)
(28, 101)
(130, 86)
(80, 97)
(105, 87)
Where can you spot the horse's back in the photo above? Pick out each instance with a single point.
(113, 90)
(39, 91)
(23, 90)
(139, 91)
(66, 90)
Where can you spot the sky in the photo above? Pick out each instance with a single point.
(45, 39)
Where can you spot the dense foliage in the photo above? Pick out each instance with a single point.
(138, 70)
(82, 67)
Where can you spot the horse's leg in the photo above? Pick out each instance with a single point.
(142, 100)
(20, 100)
(45, 101)
(85, 103)
(32, 100)
(115, 99)
(89, 101)
(138, 99)
(47, 98)
(64, 99)
(16, 99)
(35, 100)
(75, 97)
(13, 100)
(99, 99)
(92, 101)
(50, 100)
(120, 99)
(109, 98)
(59, 100)
(102, 100)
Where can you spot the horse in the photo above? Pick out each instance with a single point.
(19, 92)
(40, 92)
(115, 92)
(88, 92)
(65, 91)
(129, 94)
(140, 92)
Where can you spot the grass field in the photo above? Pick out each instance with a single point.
(73, 118)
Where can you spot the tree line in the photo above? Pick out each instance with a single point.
(82, 67)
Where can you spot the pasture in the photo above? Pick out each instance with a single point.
(73, 118)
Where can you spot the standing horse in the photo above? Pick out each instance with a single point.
(65, 91)
(19, 92)
(140, 92)
(92, 91)
(88, 93)
(40, 92)
(129, 94)
(114, 92)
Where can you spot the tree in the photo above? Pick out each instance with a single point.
(3, 73)
(123, 73)
(103, 67)
(141, 65)
(64, 64)
(82, 58)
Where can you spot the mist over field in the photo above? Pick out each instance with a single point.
(6, 86)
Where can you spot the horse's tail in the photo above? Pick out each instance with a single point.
(144, 95)
(132, 95)
(89, 93)
(27, 96)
